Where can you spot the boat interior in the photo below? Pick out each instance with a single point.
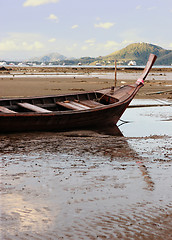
(76, 102)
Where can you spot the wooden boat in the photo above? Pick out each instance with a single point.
(70, 111)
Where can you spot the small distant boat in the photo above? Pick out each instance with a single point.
(81, 110)
(98, 64)
(29, 64)
(3, 63)
(132, 63)
(20, 64)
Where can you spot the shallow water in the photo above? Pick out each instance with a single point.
(87, 185)
(147, 121)
(121, 75)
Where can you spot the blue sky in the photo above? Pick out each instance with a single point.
(77, 28)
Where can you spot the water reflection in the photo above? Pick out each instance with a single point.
(147, 121)
(24, 213)
(82, 184)
(114, 130)
(146, 175)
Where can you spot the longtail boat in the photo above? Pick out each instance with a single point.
(69, 111)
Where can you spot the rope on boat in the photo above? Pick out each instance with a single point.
(98, 99)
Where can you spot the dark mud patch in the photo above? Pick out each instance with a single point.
(85, 185)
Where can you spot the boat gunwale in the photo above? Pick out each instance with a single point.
(70, 112)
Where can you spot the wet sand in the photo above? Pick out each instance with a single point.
(85, 184)
(51, 81)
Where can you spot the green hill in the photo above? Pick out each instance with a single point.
(139, 52)
(52, 57)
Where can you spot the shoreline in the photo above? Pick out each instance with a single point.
(39, 81)
(68, 68)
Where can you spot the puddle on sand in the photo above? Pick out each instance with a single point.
(85, 185)
(147, 121)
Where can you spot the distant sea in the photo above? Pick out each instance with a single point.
(94, 66)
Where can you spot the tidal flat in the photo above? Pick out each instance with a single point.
(89, 184)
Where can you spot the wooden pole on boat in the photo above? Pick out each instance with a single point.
(115, 74)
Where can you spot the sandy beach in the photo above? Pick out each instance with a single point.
(85, 184)
(18, 82)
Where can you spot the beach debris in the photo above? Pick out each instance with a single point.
(159, 92)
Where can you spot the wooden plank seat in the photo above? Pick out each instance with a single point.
(6, 110)
(73, 105)
(34, 108)
(91, 103)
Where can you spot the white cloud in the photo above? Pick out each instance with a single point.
(91, 42)
(151, 8)
(138, 7)
(7, 45)
(111, 45)
(34, 3)
(106, 25)
(72, 47)
(12, 45)
(21, 42)
(98, 18)
(91, 45)
(36, 45)
(75, 26)
(106, 47)
(131, 35)
(84, 48)
(52, 40)
(53, 18)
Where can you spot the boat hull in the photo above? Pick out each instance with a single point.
(62, 121)
(66, 112)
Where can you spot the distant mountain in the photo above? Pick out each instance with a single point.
(165, 60)
(52, 57)
(139, 52)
